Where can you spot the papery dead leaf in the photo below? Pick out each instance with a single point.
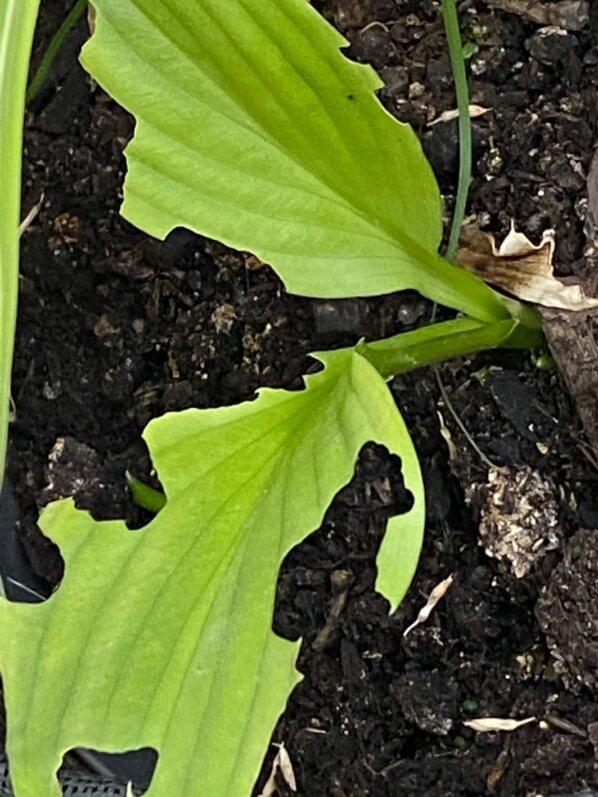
(437, 593)
(489, 724)
(282, 763)
(520, 267)
(447, 116)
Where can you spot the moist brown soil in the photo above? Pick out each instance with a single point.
(115, 328)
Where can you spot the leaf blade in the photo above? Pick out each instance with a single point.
(172, 647)
(254, 129)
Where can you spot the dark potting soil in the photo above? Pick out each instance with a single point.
(115, 328)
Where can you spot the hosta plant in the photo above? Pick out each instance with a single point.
(252, 128)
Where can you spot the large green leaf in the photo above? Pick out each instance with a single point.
(162, 637)
(17, 22)
(253, 128)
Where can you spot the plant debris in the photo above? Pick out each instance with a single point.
(568, 612)
(490, 724)
(31, 215)
(518, 516)
(573, 341)
(282, 764)
(592, 188)
(448, 116)
(520, 267)
(567, 14)
(437, 593)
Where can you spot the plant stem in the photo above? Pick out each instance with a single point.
(17, 24)
(53, 49)
(438, 342)
(455, 45)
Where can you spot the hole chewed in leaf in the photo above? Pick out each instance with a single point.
(96, 773)
(346, 543)
(326, 586)
(174, 643)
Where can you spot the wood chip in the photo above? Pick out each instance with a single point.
(437, 593)
(522, 268)
(490, 724)
(573, 341)
(282, 764)
(566, 14)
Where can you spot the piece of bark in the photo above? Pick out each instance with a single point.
(573, 341)
(566, 14)
(567, 611)
(592, 189)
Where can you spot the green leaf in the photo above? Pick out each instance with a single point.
(253, 128)
(17, 22)
(162, 637)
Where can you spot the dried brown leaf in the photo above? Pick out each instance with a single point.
(489, 724)
(521, 268)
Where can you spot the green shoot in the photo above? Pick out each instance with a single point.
(45, 66)
(455, 45)
(17, 23)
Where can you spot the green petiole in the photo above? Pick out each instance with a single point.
(438, 342)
